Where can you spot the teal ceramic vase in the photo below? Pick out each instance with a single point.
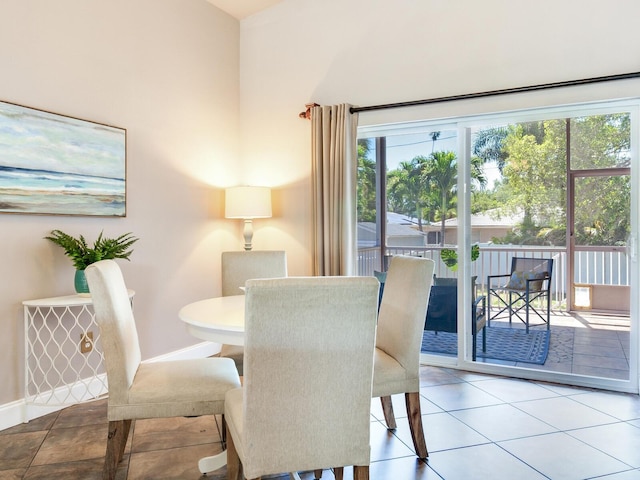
(80, 282)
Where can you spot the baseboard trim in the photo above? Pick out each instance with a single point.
(19, 411)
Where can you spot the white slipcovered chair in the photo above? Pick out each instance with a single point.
(237, 268)
(397, 355)
(147, 390)
(305, 403)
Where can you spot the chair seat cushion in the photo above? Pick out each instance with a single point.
(518, 280)
(178, 388)
(236, 353)
(390, 377)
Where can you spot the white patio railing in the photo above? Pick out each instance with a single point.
(606, 268)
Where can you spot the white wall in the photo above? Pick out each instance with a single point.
(374, 52)
(168, 72)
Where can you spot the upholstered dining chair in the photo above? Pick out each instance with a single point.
(397, 355)
(306, 399)
(147, 390)
(237, 268)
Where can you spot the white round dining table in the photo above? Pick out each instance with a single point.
(219, 319)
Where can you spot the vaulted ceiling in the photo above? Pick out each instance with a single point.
(243, 8)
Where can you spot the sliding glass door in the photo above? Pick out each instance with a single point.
(475, 193)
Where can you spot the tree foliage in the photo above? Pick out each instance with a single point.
(425, 188)
(602, 204)
(535, 176)
(366, 202)
(532, 162)
(407, 191)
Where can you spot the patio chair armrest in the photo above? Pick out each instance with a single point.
(489, 277)
(529, 281)
(481, 299)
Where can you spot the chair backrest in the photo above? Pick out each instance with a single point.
(540, 268)
(118, 332)
(403, 310)
(442, 312)
(238, 267)
(308, 371)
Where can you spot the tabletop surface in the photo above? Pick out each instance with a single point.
(215, 316)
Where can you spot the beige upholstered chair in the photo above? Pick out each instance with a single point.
(400, 326)
(306, 400)
(237, 268)
(147, 390)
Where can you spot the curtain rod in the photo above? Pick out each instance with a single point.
(490, 93)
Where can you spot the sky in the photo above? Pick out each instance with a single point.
(401, 148)
(38, 140)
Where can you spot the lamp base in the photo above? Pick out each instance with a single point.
(248, 233)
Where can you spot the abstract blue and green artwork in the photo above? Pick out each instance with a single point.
(59, 165)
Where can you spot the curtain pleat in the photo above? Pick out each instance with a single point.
(334, 171)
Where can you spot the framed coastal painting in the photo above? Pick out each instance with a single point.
(58, 165)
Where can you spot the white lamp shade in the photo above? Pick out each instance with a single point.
(247, 202)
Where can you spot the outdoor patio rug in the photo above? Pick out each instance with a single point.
(508, 344)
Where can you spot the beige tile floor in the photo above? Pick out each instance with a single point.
(477, 427)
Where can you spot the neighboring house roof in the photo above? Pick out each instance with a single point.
(400, 219)
(407, 231)
(401, 226)
(393, 229)
(490, 218)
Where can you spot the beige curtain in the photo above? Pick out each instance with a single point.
(335, 166)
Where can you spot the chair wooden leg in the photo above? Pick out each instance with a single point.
(387, 410)
(338, 472)
(361, 472)
(412, 400)
(116, 442)
(233, 461)
(317, 474)
(126, 428)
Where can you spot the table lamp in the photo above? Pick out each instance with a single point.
(248, 203)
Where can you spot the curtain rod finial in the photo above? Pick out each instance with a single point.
(307, 113)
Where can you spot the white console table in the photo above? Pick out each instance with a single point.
(63, 353)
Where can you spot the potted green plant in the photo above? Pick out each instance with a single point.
(449, 256)
(82, 254)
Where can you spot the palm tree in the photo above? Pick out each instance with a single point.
(406, 188)
(434, 136)
(441, 173)
(366, 204)
(488, 145)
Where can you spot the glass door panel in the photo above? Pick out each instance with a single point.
(538, 185)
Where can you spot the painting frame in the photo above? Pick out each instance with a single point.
(55, 164)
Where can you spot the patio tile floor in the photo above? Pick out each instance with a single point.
(585, 344)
